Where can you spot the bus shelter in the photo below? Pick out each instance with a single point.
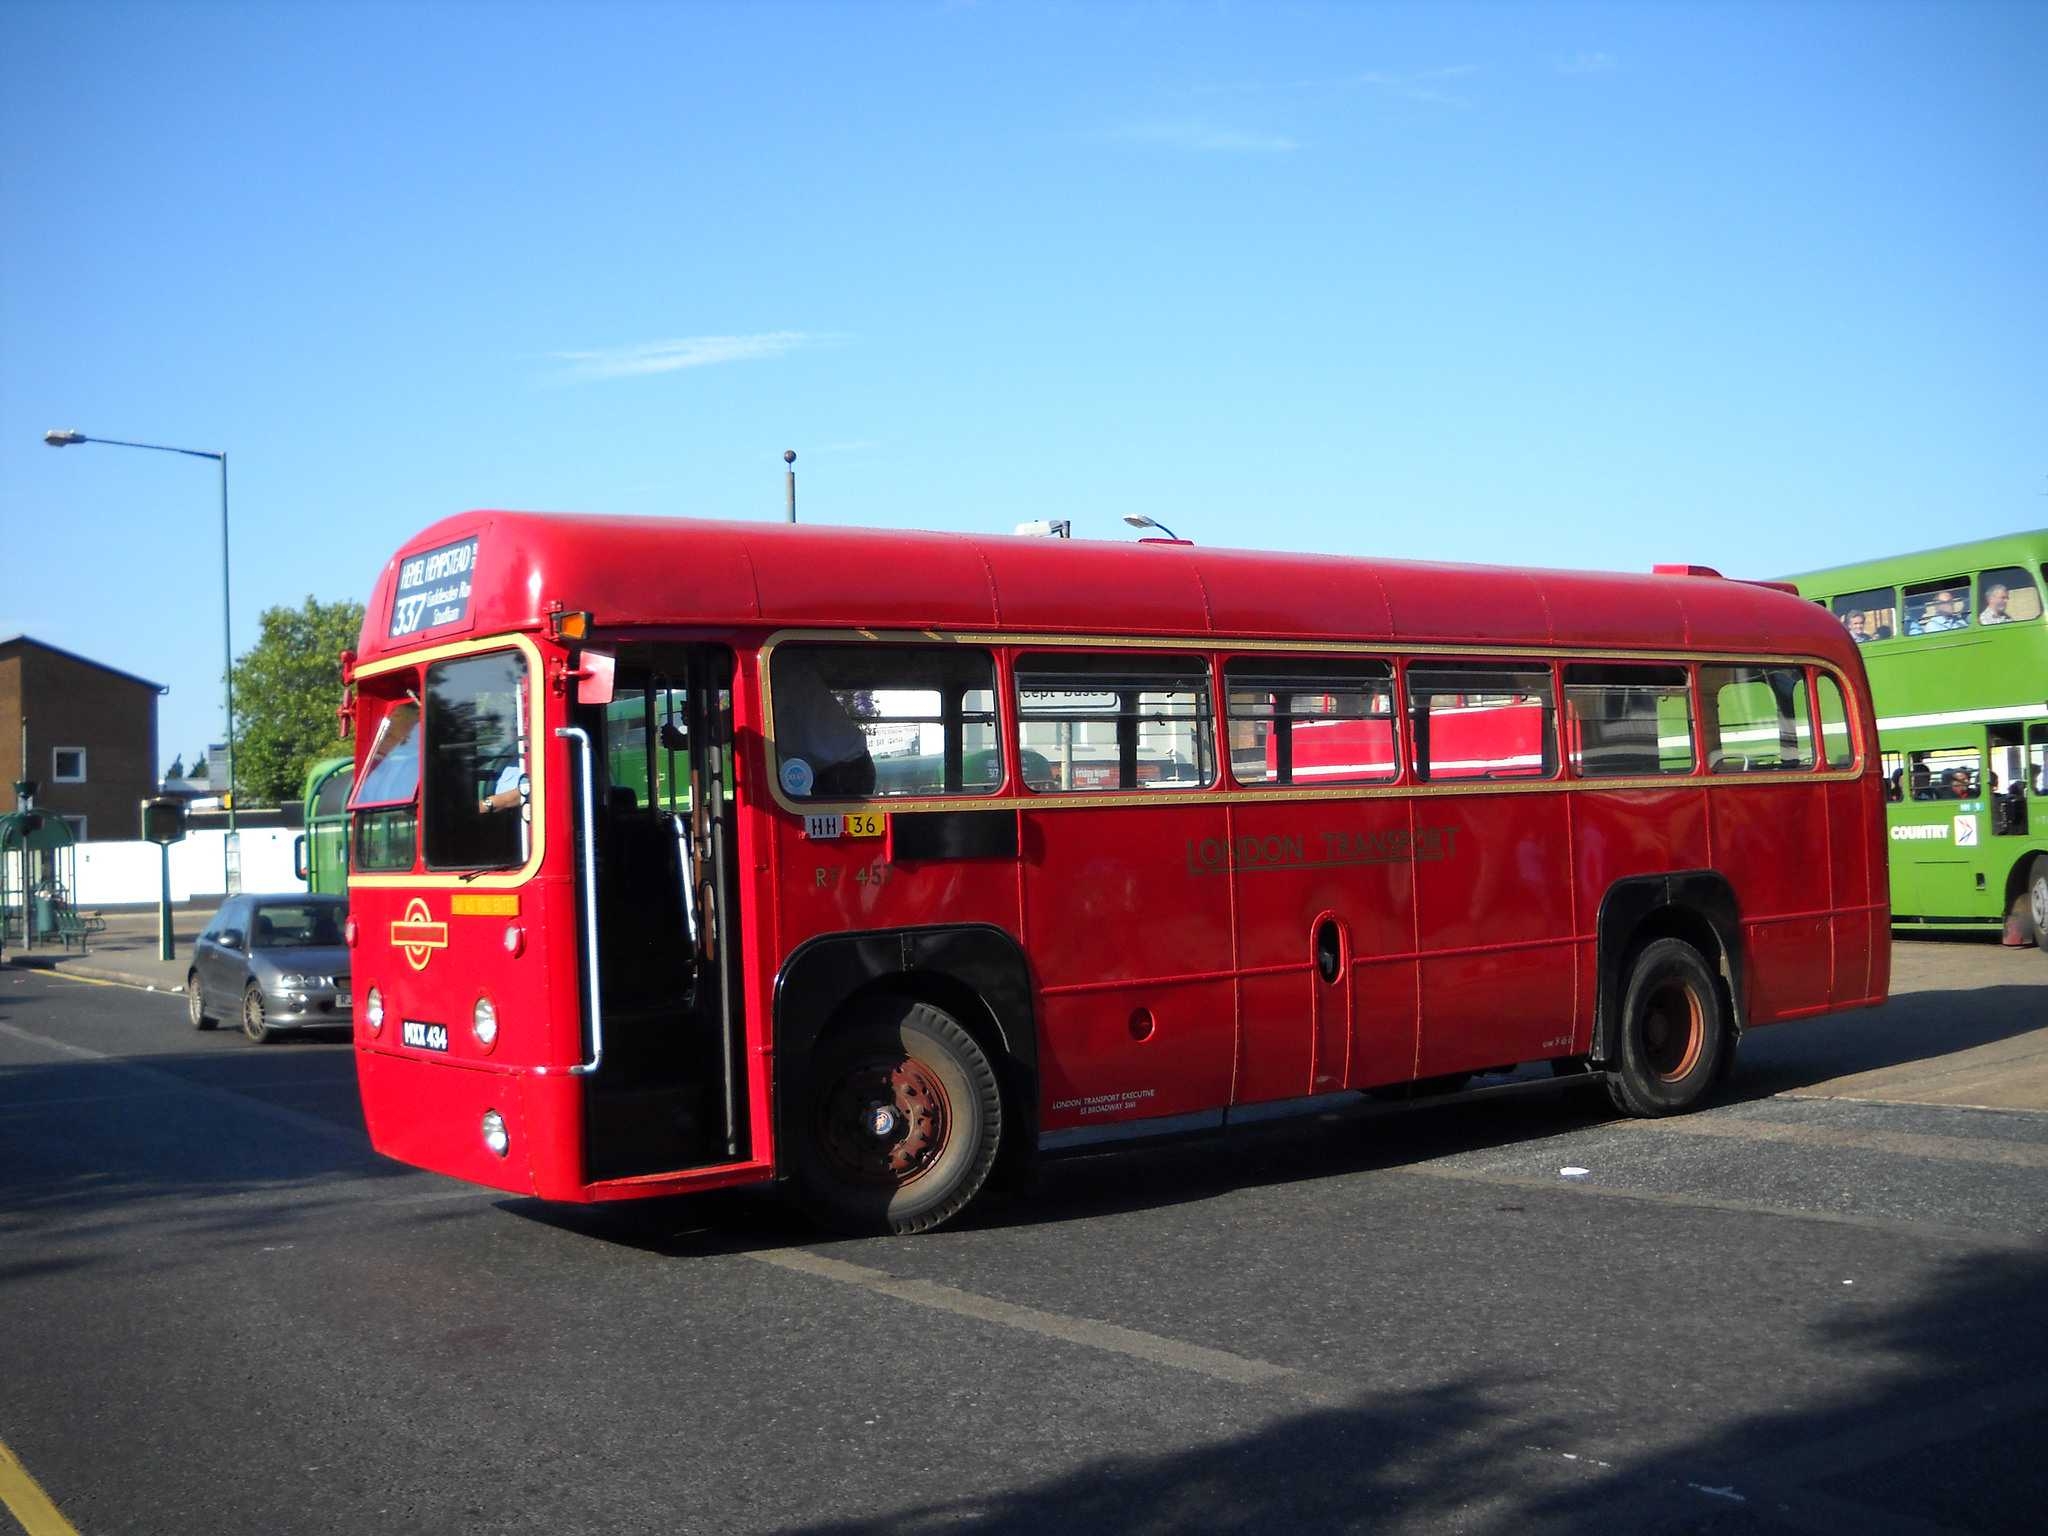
(38, 874)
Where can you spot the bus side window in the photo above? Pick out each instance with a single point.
(2008, 595)
(1760, 718)
(1310, 722)
(1838, 750)
(1093, 722)
(1481, 720)
(1628, 719)
(860, 721)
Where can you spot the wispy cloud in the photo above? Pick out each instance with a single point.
(1207, 137)
(650, 357)
(1586, 63)
(1428, 85)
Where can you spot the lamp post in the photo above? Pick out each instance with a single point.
(70, 438)
(1140, 520)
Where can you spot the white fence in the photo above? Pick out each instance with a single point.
(127, 874)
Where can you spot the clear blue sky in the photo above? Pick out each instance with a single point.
(1756, 286)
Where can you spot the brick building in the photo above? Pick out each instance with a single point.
(91, 737)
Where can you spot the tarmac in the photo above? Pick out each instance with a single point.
(1967, 1024)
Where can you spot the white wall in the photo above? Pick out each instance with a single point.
(116, 874)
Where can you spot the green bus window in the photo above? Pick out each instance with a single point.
(1628, 720)
(2007, 596)
(1310, 722)
(1933, 607)
(1943, 773)
(1869, 615)
(1838, 749)
(1758, 718)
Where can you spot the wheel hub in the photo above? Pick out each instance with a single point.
(1674, 1031)
(885, 1122)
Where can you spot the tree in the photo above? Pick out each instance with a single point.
(286, 688)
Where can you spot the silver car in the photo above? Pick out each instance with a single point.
(276, 962)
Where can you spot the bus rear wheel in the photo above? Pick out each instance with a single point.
(2037, 899)
(1673, 1035)
(902, 1123)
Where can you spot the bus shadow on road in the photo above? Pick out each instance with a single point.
(1931, 1422)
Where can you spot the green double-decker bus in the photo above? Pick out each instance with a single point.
(1956, 644)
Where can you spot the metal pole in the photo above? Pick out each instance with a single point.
(165, 950)
(789, 478)
(231, 849)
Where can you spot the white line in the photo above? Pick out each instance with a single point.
(311, 1125)
(2030, 710)
(1218, 1364)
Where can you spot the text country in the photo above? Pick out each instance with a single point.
(1248, 855)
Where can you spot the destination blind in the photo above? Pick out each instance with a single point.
(433, 590)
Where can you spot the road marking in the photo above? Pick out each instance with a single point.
(26, 1501)
(1952, 1149)
(1218, 1364)
(311, 1125)
(1579, 1189)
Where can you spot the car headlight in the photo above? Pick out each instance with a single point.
(294, 982)
(373, 1011)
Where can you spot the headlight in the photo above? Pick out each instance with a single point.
(297, 982)
(373, 1010)
(484, 1022)
(494, 1133)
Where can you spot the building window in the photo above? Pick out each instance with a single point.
(67, 765)
(77, 826)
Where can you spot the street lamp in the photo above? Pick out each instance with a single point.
(1140, 520)
(70, 437)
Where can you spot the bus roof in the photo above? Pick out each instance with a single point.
(2028, 548)
(486, 572)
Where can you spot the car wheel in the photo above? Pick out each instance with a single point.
(195, 1004)
(902, 1122)
(252, 1017)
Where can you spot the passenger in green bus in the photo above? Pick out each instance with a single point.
(1996, 596)
(1943, 611)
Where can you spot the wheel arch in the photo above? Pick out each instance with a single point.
(2022, 870)
(975, 972)
(1696, 905)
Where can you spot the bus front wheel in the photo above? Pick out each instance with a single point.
(1673, 1035)
(902, 1124)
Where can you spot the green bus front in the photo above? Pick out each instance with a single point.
(322, 851)
(1956, 644)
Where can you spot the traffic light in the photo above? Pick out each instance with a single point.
(163, 820)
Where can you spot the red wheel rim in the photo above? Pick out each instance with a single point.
(885, 1122)
(1674, 1030)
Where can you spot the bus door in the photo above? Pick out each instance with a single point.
(1937, 831)
(2037, 781)
(667, 1093)
(1323, 876)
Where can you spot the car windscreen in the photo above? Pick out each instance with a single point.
(297, 925)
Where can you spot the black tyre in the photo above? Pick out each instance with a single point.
(253, 1024)
(1674, 1036)
(195, 1004)
(901, 1123)
(2037, 899)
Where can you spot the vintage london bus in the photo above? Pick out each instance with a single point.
(693, 854)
